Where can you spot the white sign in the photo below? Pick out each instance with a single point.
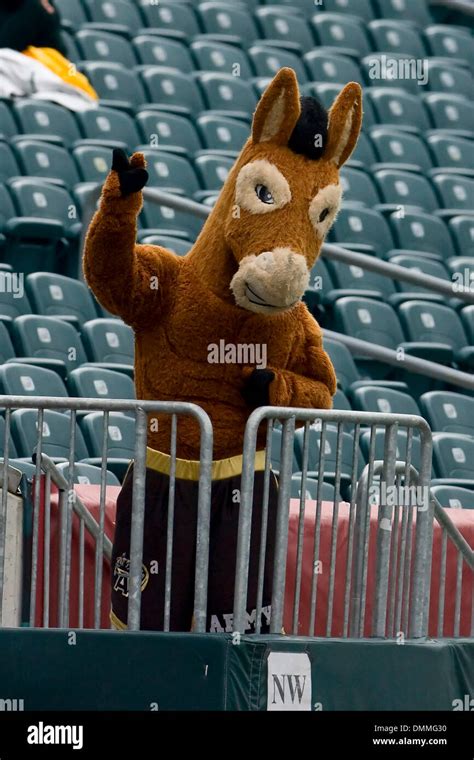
(289, 681)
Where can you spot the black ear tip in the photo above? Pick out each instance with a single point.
(119, 160)
(310, 133)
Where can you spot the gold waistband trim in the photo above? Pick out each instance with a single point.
(188, 469)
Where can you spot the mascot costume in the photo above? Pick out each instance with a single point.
(240, 284)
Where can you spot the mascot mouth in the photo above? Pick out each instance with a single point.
(253, 297)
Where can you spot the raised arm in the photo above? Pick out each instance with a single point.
(309, 384)
(127, 279)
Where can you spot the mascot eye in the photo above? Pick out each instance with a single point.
(263, 194)
(323, 214)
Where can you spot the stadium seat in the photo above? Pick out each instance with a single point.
(361, 8)
(330, 454)
(103, 46)
(48, 342)
(94, 382)
(88, 474)
(224, 92)
(220, 57)
(339, 30)
(160, 220)
(467, 316)
(326, 66)
(213, 171)
(364, 228)
(368, 320)
(40, 159)
(397, 75)
(395, 106)
(276, 452)
(166, 129)
(327, 490)
(350, 279)
(169, 89)
(13, 300)
(53, 295)
(386, 400)
(175, 19)
(169, 171)
(417, 231)
(12, 452)
(340, 401)
(456, 192)
(45, 201)
(445, 78)
(118, 12)
(108, 341)
(422, 265)
(440, 328)
(363, 154)
(347, 372)
(226, 19)
(8, 163)
(284, 27)
(450, 111)
(115, 83)
(7, 351)
(453, 458)
(222, 133)
(73, 12)
(450, 42)
(412, 10)
(395, 146)
(93, 162)
(120, 440)
(8, 128)
(450, 152)
(400, 188)
(18, 379)
(390, 36)
(40, 118)
(268, 60)
(56, 434)
(176, 245)
(163, 51)
(109, 126)
(402, 447)
(358, 187)
(448, 412)
(454, 497)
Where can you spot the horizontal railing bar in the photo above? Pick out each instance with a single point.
(411, 363)
(453, 532)
(101, 405)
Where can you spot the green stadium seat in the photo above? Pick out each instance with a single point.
(454, 497)
(411, 10)
(120, 440)
(169, 89)
(48, 342)
(400, 188)
(46, 119)
(327, 490)
(358, 187)
(175, 245)
(175, 19)
(40, 159)
(363, 156)
(462, 272)
(217, 56)
(7, 351)
(320, 285)
(386, 400)
(226, 19)
(397, 147)
(8, 128)
(330, 454)
(445, 78)
(118, 12)
(390, 36)
(169, 171)
(439, 327)
(450, 42)
(402, 447)
(450, 111)
(448, 412)
(467, 316)
(160, 220)
(88, 474)
(417, 231)
(462, 229)
(13, 300)
(276, 452)
(109, 126)
(453, 457)
(53, 295)
(456, 192)
(213, 170)
(364, 228)
(95, 382)
(166, 129)
(93, 162)
(56, 434)
(422, 265)
(103, 46)
(108, 341)
(8, 163)
(350, 279)
(284, 27)
(73, 12)
(221, 133)
(115, 83)
(376, 74)
(369, 320)
(341, 402)
(268, 60)
(163, 51)
(339, 30)
(395, 106)
(347, 372)
(361, 8)
(224, 92)
(326, 66)
(18, 379)
(451, 152)
(44, 200)
(72, 50)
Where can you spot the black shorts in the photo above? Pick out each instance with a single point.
(225, 503)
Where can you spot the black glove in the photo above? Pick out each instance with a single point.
(132, 179)
(256, 390)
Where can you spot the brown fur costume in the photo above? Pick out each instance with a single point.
(201, 298)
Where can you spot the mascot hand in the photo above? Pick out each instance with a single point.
(132, 174)
(256, 390)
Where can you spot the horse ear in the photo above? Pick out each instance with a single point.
(345, 118)
(278, 110)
